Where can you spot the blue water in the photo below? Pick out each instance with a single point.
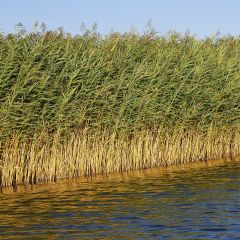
(198, 203)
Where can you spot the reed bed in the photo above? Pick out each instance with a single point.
(83, 105)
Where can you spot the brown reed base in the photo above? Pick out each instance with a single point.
(86, 154)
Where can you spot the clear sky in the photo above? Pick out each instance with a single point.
(201, 17)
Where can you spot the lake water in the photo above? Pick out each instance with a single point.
(192, 203)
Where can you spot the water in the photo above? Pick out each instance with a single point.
(197, 203)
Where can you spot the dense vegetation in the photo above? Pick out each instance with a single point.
(122, 84)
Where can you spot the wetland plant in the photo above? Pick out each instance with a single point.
(85, 104)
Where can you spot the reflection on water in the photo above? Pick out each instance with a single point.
(198, 203)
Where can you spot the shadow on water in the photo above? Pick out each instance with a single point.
(176, 203)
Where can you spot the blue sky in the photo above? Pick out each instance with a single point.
(201, 17)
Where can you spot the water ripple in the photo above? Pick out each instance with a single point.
(179, 204)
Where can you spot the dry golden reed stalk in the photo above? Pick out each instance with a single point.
(85, 154)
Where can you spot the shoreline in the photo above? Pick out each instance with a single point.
(162, 171)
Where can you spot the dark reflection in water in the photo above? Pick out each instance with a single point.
(197, 203)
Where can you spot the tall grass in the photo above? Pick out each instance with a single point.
(85, 104)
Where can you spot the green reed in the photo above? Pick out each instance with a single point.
(55, 84)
